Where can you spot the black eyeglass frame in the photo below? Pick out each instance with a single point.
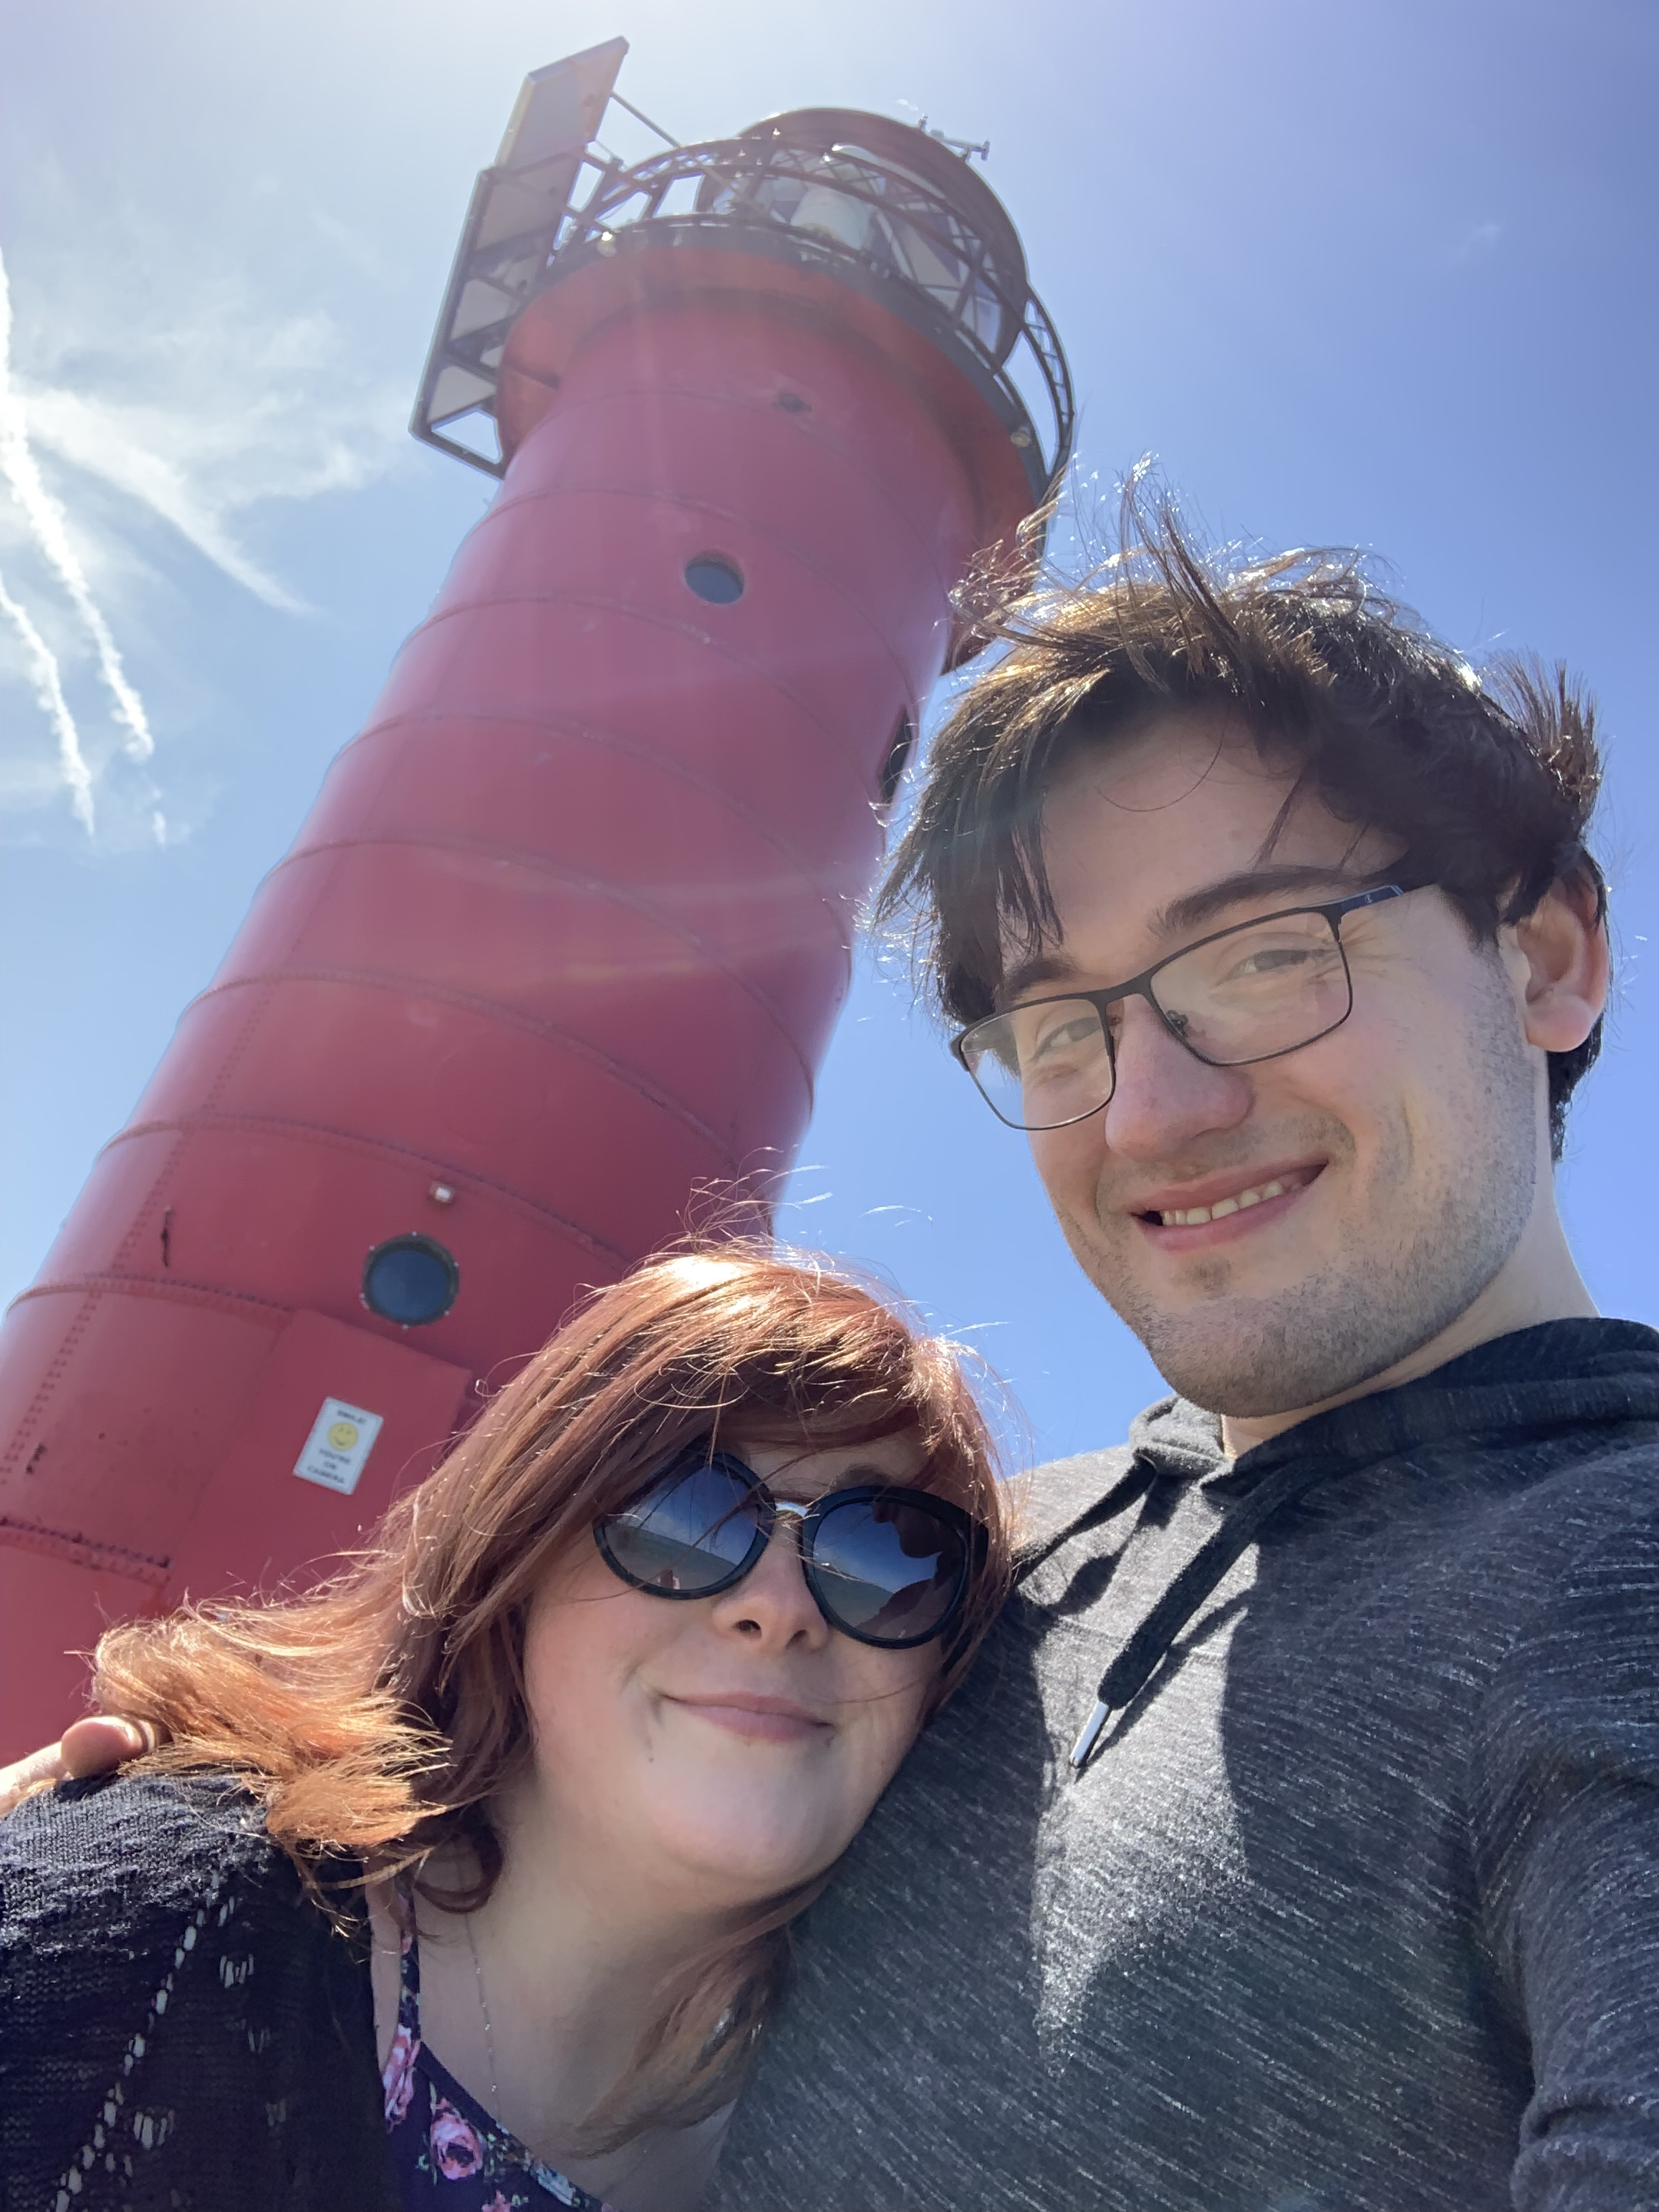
(1334, 911)
(809, 1519)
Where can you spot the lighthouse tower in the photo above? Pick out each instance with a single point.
(562, 941)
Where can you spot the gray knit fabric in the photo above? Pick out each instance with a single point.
(1357, 1910)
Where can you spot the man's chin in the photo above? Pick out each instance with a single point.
(1279, 1348)
(1262, 1357)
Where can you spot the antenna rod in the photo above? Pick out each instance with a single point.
(646, 119)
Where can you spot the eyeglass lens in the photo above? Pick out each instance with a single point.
(688, 1532)
(886, 1569)
(1258, 991)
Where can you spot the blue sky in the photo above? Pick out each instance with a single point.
(1379, 276)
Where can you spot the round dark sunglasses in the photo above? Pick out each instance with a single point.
(885, 1566)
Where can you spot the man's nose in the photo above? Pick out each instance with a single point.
(1165, 1098)
(771, 1609)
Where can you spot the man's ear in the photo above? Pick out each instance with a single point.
(1568, 966)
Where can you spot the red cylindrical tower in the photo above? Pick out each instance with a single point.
(562, 938)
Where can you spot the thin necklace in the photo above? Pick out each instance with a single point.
(488, 2025)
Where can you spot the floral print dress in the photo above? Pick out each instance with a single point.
(450, 2155)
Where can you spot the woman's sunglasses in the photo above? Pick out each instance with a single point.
(885, 1566)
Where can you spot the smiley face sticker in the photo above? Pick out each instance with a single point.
(337, 1450)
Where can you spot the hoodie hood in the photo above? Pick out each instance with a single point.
(1560, 1374)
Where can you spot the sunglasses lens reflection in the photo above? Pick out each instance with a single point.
(690, 1532)
(890, 1570)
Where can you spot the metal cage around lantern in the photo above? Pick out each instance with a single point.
(880, 205)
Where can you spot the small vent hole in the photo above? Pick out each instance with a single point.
(714, 578)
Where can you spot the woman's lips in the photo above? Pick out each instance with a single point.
(761, 1720)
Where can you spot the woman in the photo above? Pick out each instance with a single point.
(513, 1815)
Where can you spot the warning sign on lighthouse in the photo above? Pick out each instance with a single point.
(337, 1450)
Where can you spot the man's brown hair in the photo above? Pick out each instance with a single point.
(1488, 781)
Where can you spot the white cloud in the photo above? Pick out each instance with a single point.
(47, 679)
(207, 414)
(147, 390)
(153, 458)
(49, 527)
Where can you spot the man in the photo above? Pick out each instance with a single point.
(1296, 1844)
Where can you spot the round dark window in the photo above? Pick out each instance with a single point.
(410, 1279)
(714, 578)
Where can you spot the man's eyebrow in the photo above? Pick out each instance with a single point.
(1189, 913)
(1193, 909)
(1025, 975)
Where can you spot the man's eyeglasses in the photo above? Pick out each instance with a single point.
(885, 1566)
(1247, 993)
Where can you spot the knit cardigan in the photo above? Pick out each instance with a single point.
(182, 2027)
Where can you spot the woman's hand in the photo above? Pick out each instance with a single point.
(97, 1745)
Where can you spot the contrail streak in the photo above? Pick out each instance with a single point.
(49, 690)
(47, 520)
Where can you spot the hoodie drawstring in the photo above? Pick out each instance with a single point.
(1147, 1648)
(1143, 1473)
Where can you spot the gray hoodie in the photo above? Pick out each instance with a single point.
(1356, 1906)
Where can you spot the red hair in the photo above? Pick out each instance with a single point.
(378, 1715)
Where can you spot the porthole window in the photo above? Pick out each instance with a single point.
(714, 578)
(897, 754)
(411, 1280)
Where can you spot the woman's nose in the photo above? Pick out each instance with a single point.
(771, 1608)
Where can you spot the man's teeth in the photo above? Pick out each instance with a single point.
(1192, 1217)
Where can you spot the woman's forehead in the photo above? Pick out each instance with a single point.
(806, 1469)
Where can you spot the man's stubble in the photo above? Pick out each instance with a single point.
(1436, 1231)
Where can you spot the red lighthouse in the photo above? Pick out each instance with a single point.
(564, 937)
